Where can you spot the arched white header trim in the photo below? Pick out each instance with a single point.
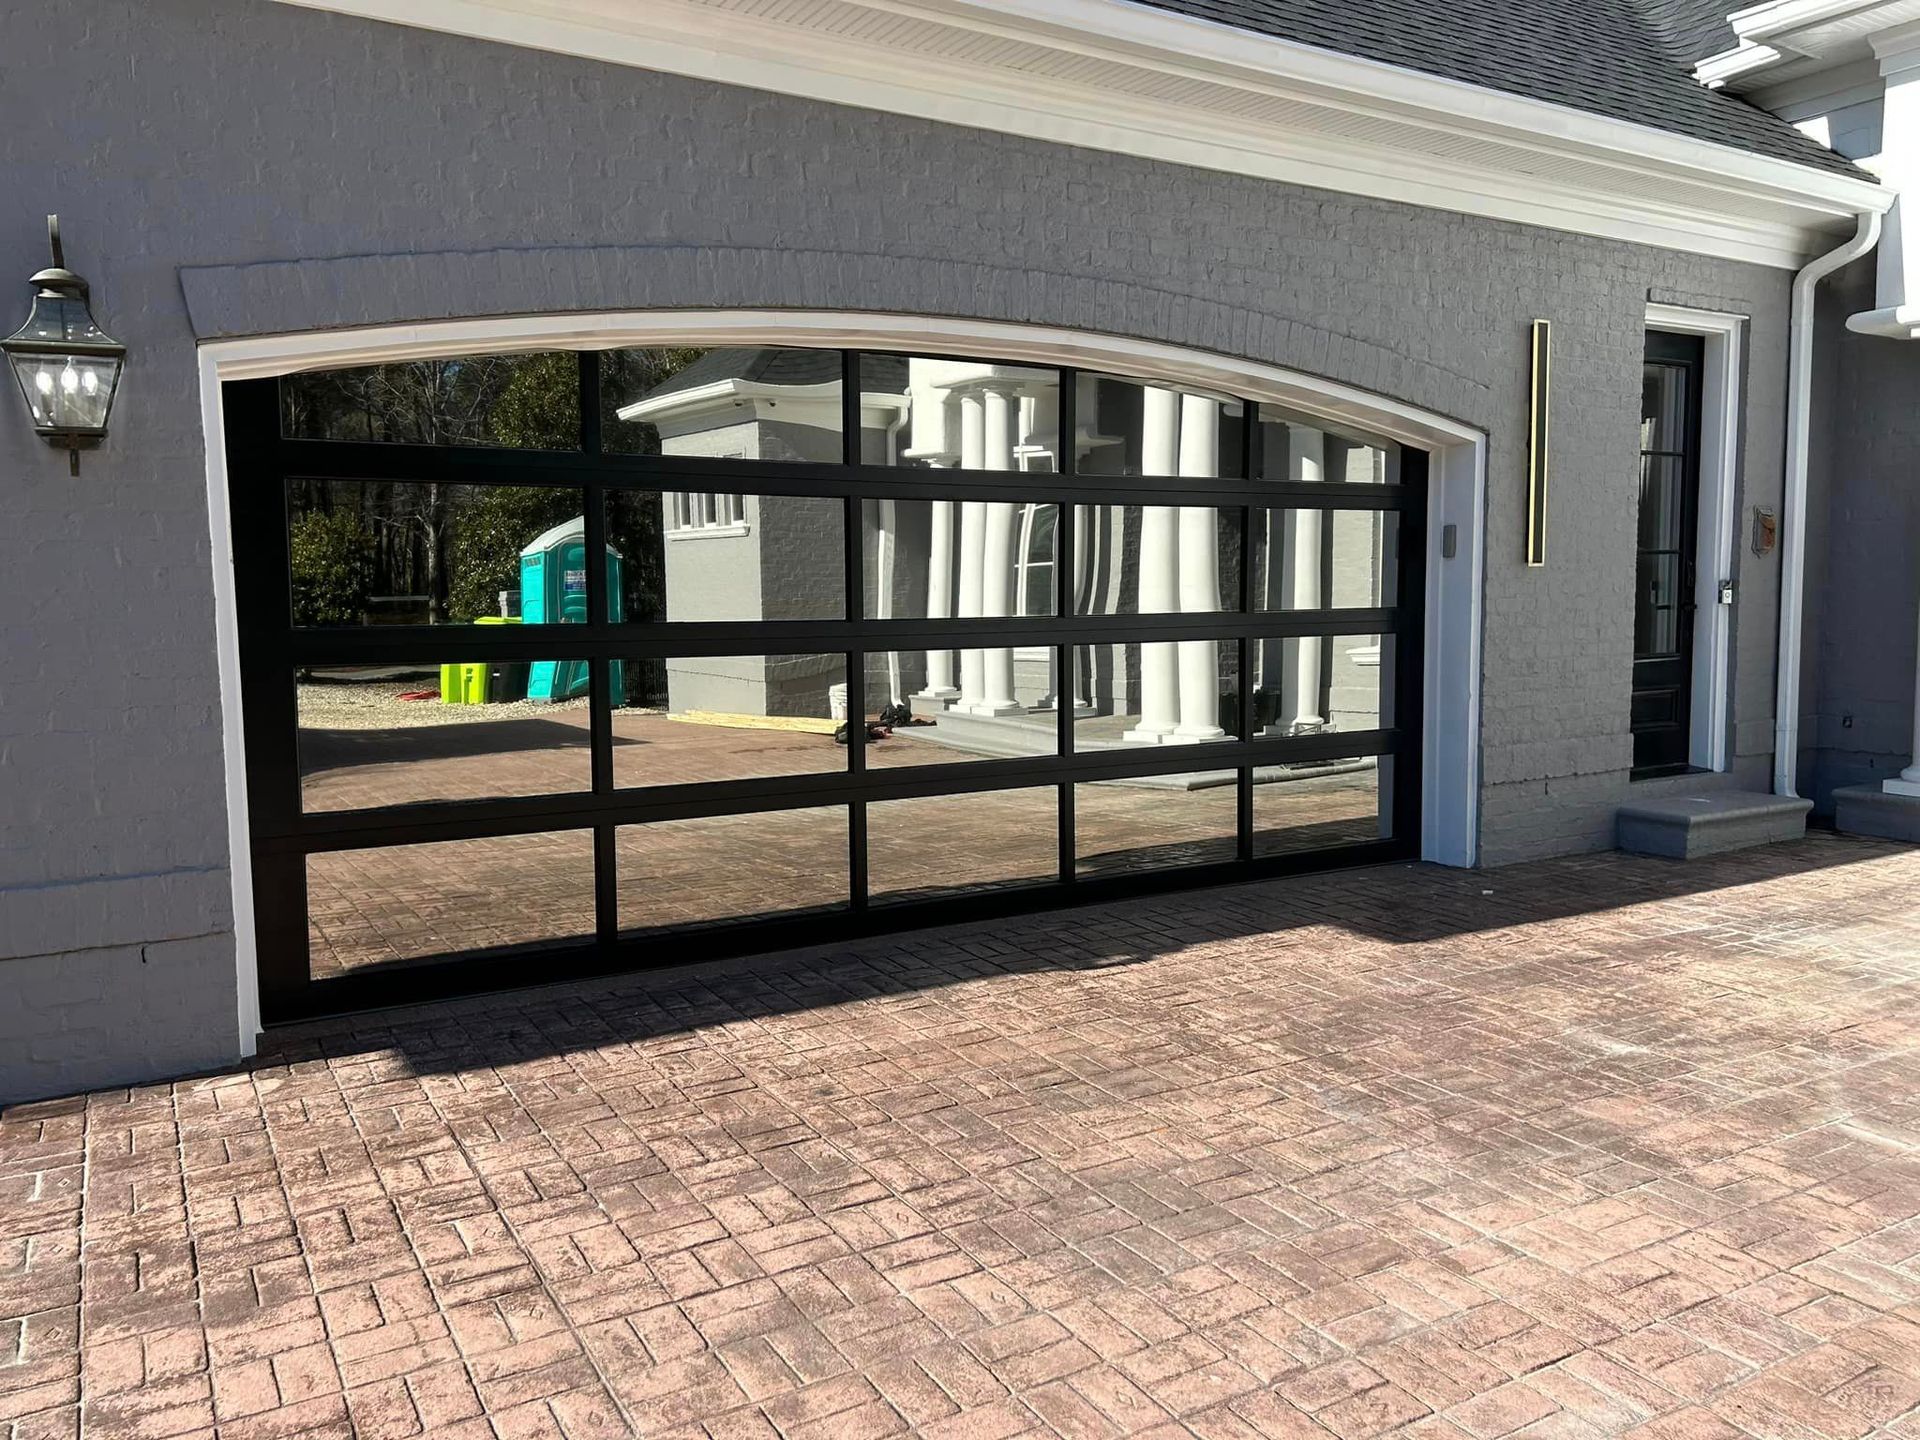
(1456, 507)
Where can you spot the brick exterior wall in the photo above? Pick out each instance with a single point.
(244, 167)
(1863, 563)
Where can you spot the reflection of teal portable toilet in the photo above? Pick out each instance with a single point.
(553, 591)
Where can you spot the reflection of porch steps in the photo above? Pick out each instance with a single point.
(1685, 826)
(1032, 734)
(1001, 736)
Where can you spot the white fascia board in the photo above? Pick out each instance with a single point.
(1775, 211)
(1747, 58)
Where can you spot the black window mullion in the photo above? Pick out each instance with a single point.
(1066, 551)
(606, 875)
(257, 491)
(853, 547)
(1409, 682)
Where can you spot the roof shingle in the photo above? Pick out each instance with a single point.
(1625, 59)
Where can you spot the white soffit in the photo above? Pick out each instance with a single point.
(1787, 39)
(1122, 77)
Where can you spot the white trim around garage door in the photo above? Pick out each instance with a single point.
(1450, 766)
(1720, 418)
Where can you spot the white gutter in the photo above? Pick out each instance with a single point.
(1793, 550)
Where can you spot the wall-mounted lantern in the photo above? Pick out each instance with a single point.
(67, 366)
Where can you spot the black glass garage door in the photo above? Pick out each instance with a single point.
(557, 664)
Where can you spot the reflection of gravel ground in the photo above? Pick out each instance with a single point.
(375, 705)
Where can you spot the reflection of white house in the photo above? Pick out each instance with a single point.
(750, 556)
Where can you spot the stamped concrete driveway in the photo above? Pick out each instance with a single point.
(1589, 1147)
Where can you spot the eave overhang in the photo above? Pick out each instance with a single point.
(1125, 78)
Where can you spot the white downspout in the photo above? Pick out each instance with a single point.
(1793, 550)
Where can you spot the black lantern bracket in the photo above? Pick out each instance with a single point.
(67, 367)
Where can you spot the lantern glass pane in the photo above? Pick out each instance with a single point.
(62, 320)
(67, 392)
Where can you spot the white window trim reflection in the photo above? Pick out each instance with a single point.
(706, 515)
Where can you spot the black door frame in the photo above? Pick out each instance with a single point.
(260, 461)
(1663, 734)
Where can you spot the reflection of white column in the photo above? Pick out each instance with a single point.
(940, 598)
(1159, 572)
(973, 533)
(885, 539)
(1300, 584)
(996, 566)
(1199, 572)
(1909, 781)
(1077, 685)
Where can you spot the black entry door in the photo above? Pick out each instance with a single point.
(1663, 605)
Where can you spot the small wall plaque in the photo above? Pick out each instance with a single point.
(1539, 437)
(1766, 530)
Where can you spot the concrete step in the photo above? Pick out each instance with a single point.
(1685, 826)
(1870, 810)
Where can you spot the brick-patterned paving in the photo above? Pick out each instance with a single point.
(405, 903)
(1596, 1146)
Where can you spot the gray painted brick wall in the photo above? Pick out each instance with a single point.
(1864, 560)
(244, 167)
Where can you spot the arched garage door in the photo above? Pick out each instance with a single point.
(560, 663)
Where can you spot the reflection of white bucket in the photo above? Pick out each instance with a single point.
(837, 703)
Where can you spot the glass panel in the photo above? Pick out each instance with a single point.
(1656, 611)
(1307, 450)
(728, 868)
(67, 392)
(691, 719)
(1663, 408)
(726, 556)
(1310, 807)
(516, 402)
(1662, 499)
(939, 558)
(946, 706)
(1130, 427)
(730, 403)
(1163, 692)
(1311, 684)
(397, 552)
(1156, 560)
(1325, 559)
(1123, 826)
(948, 844)
(409, 902)
(403, 734)
(931, 412)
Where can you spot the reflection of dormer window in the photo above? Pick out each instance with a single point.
(695, 514)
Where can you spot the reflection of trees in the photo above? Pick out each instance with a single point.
(459, 545)
(331, 556)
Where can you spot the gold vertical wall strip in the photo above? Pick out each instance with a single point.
(1539, 440)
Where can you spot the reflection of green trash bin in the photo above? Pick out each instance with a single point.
(475, 682)
(464, 684)
(553, 591)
